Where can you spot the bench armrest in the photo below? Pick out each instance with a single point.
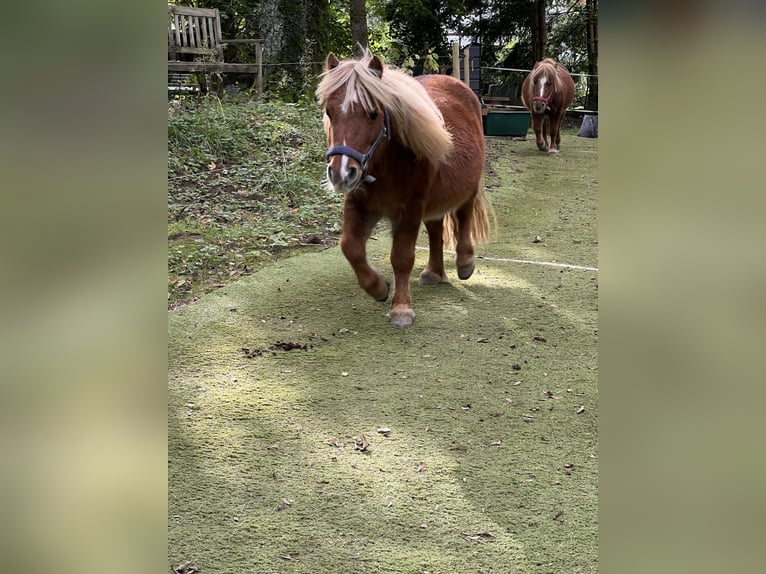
(241, 41)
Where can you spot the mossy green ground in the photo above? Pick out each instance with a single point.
(491, 401)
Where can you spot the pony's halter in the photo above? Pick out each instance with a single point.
(544, 99)
(364, 158)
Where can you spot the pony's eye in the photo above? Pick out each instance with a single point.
(373, 115)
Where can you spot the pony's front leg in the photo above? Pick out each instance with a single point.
(403, 260)
(537, 126)
(555, 135)
(356, 230)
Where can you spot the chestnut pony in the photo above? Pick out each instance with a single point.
(547, 92)
(410, 150)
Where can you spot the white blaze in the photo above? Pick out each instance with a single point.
(542, 86)
(343, 165)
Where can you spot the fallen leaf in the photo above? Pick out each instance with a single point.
(424, 525)
(568, 465)
(559, 514)
(482, 340)
(496, 443)
(361, 445)
(385, 431)
(273, 447)
(186, 568)
(344, 374)
(421, 467)
(478, 536)
(581, 410)
(211, 166)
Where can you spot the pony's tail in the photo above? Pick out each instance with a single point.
(481, 228)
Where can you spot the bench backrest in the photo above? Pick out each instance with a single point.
(194, 31)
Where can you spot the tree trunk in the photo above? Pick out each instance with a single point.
(358, 14)
(591, 28)
(539, 31)
(294, 36)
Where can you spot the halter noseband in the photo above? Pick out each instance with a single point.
(364, 158)
(544, 99)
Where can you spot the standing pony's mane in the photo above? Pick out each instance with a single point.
(549, 66)
(416, 121)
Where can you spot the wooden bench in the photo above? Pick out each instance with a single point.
(195, 44)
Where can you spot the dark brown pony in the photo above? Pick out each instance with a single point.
(547, 92)
(410, 150)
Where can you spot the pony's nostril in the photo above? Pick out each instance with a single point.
(330, 173)
(352, 174)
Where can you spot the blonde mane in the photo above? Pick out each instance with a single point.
(415, 119)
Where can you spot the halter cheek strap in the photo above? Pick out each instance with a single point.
(364, 158)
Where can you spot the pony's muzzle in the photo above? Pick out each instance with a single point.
(344, 176)
(539, 107)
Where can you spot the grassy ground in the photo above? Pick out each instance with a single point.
(243, 191)
(281, 383)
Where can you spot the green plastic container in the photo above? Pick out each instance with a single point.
(512, 123)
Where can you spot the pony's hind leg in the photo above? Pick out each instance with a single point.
(464, 260)
(434, 272)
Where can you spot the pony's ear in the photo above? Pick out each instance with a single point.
(376, 66)
(331, 62)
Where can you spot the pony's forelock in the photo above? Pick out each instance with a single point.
(548, 67)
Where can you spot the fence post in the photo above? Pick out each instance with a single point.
(259, 63)
(467, 65)
(456, 59)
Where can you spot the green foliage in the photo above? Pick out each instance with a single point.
(417, 25)
(244, 188)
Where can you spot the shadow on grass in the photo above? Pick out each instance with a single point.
(478, 473)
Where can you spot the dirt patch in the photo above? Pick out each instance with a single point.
(278, 346)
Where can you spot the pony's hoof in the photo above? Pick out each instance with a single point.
(466, 271)
(431, 278)
(383, 297)
(402, 317)
(553, 153)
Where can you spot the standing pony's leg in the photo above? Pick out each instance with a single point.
(464, 260)
(537, 126)
(434, 272)
(403, 260)
(556, 134)
(357, 228)
(547, 131)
